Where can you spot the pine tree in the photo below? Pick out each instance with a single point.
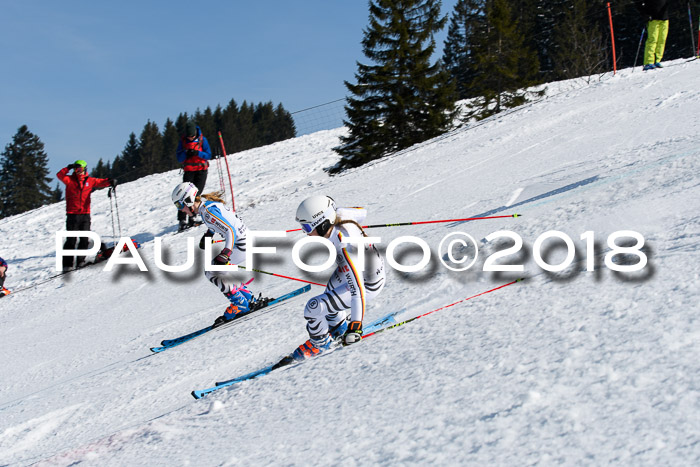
(57, 194)
(181, 123)
(536, 22)
(244, 129)
(24, 184)
(402, 99)
(125, 166)
(206, 123)
(171, 138)
(504, 63)
(229, 121)
(100, 171)
(466, 23)
(263, 118)
(283, 124)
(150, 150)
(581, 46)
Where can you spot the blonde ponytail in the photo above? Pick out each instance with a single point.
(216, 196)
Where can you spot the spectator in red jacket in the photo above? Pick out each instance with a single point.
(79, 187)
(194, 154)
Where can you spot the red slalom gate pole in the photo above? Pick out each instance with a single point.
(612, 37)
(223, 148)
(428, 222)
(441, 308)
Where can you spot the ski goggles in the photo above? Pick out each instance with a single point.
(181, 204)
(307, 228)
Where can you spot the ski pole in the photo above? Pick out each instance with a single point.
(113, 190)
(399, 224)
(280, 275)
(639, 47)
(111, 210)
(441, 308)
(223, 148)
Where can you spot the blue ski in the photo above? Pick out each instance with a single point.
(374, 326)
(169, 343)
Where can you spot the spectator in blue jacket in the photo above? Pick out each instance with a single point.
(194, 153)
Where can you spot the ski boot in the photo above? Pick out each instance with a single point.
(240, 300)
(312, 347)
(231, 313)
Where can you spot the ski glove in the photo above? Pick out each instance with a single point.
(354, 333)
(112, 182)
(223, 257)
(72, 166)
(207, 234)
(192, 152)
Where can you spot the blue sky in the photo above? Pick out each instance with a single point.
(84, 75)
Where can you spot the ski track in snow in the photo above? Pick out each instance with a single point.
(574, 367)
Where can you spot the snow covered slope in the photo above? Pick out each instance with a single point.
(587, 367)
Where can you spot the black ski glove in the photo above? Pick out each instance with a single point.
(207, 234)
(354, 333)
(192, 152)
(72, 166)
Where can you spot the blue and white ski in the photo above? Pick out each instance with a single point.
(170, 343)
(374, 326)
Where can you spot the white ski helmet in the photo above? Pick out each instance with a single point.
(184, 195)
(317, 212)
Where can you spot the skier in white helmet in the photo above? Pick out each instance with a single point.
(219, 219)
(348, 288)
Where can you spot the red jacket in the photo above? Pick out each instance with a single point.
(78, 190)
(198, 162)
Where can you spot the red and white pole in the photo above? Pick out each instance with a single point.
(223, 148)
